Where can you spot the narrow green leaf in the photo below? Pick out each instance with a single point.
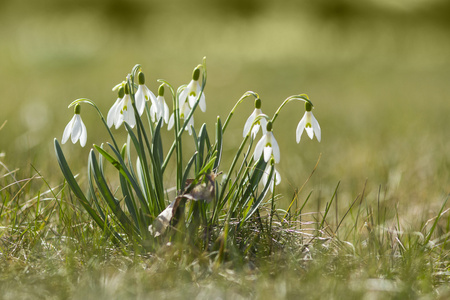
(219, 142)
(109, 197)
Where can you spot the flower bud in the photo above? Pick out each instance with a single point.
(161, 90)
(127, 89)
(308, 106)
(196, 74)
(77, 109)
(121, 92)
(141, 78)
(269, 126)
(258, 103)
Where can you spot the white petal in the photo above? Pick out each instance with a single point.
(140, 99)
(267, 153)
(112, 113)
(277, 178)
(263, 123)
(129, 117)
(68, 130)
(171, 122)
(150, 95)
(191, 93)
(83, 137)
(202, 103)
(165, 112)
(259, 148)
(248, 123)
(118, 121)
(182, 98)
(265, 175)
(276, 149)
(76, 129)
(153, 114)
(255, 130)
(316, 127)
(310, 132)
(300, 128)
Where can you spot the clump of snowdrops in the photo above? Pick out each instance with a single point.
(212, 200)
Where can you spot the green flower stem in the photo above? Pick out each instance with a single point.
(246, 95)
(224, 185)
(179, 131)
(90, 102)
(302, 97)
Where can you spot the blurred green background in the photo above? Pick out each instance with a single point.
(377, 71)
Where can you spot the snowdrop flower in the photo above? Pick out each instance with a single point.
(75, 128)
(143, 94)
(185, 111)
(191, 92)
(113, 115)
(160, 110)
(249, 123)
(308, 123)
(124, 111)
(276, 178)
(267, 145)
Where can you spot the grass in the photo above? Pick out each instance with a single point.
(371, 222)
(51, 249)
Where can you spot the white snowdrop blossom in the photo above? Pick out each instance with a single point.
(268, 146)
(261, 123)
(122, 110)
(126, 112)
(75, 129)
(143, 94)
(276, 178)
(185, 111)
(191, 92)
(310, 124)
(160, 110)
(113, 116)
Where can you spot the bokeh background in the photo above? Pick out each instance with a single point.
(377, 71)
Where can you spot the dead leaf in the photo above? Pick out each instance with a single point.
(205, 190)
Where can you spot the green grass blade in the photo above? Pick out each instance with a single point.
(107, 195)
(219, 142)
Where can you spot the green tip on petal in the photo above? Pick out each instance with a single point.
(258, 103)
(161, 90)
(269, 126)
(308, 106)
(141, 78)
(196, 74)
(121, 92)
(77, 109)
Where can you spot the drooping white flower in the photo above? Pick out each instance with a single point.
(122, 110)
(268, 146)
(143, 94)
(276, 178)
(75, 129)
(191, 92)
(251, 119)
(185, 111)
(113, 116)
(125, 112)
(160, 109)
(310, 124)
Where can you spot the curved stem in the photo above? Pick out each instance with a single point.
(302, 97)
(246, 95)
